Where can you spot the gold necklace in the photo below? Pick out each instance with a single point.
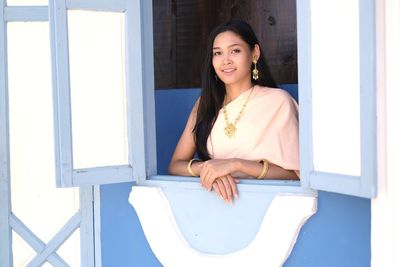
(230, 127)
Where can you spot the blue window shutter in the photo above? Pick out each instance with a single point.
(139, 94)
(363, 185)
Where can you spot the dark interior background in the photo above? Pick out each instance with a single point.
(181, 28)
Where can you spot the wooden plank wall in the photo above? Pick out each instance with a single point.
(181, 28)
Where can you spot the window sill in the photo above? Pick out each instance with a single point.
(245, 185)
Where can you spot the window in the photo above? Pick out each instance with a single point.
(96, 98)
(139, 161)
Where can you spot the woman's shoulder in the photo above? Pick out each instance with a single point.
(195, 107)
(272, 94)
(193, 114)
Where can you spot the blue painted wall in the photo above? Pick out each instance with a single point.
(338, 235)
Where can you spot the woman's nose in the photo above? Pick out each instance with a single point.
(227, 59)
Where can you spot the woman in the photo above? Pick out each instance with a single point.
(241, 126)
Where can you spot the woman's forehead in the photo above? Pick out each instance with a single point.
(228, 38)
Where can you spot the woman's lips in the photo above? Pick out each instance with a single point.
(228, 71)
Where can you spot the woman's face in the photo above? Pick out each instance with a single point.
(232, 58)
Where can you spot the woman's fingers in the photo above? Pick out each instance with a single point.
(228, 189)
(221, 188)
(216, 189)
(207, 177)
(224, 186)
(204, 177)
(211, 170)
(232, 183)
(208, 180)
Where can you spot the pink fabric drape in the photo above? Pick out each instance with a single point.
(269, 129)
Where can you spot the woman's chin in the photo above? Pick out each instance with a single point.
(228, 80)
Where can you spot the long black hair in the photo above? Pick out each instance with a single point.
(213, 89)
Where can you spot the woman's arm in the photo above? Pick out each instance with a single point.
(225, 186)
(185, 149)
(240, 168)
(251, 169)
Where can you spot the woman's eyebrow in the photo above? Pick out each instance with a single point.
(217, 47)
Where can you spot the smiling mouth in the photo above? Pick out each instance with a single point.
(228, 70)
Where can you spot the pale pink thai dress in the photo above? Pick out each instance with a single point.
(268, 129)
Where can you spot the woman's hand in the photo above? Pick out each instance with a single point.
(226, 188)
(213, 169)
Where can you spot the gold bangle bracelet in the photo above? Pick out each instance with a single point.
(189, 167)
(264, 169)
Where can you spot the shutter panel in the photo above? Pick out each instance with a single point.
(336, 42)
(102, 55)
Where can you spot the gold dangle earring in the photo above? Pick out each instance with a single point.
(255, 71)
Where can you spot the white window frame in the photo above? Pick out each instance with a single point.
(5, 188)
(139, 93)
(363, 185)
(88, 216)
(142, 166)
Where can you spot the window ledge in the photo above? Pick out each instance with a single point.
(245, 185)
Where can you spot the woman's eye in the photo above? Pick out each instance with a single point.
(235, 51)
(217, 53)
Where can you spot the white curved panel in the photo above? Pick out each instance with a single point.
(271, 246)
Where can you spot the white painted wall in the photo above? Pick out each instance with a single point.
(385, 234)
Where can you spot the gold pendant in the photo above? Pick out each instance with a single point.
(230, 130)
